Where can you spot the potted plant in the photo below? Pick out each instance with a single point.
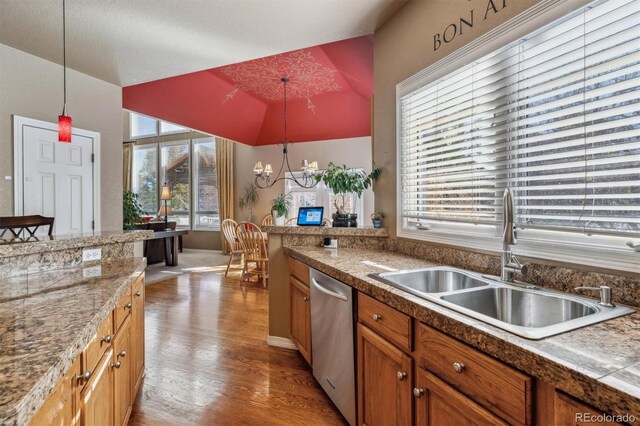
(131, 210)
(376, 218)
(249, 200)
(344, 181)
(280, 208)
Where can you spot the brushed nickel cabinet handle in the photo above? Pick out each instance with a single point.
(305, 298)
(376, 317)
(84, 376)
(418, 392)
(137, 294)
(106, 339)
(116, 364)
(121, 354)
(458, 367)
(128, 305)
(401, 375)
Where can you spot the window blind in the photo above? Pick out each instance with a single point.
(555, 116)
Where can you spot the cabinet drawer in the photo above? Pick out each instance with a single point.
(299, 270)
(122, 310)
(501, 389)
(388, 322)
(98, 345)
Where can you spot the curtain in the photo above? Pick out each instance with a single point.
(127, 165)
(224, 170)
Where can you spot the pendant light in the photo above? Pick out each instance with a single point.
(263, 174)
(64, 121)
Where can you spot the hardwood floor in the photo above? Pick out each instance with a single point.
(207, 361)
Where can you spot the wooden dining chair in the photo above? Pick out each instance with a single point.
(291, 221)
(235, 251)
(267, 220)
(254, 247)
(25, 227)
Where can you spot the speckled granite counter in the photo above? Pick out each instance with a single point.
(599, 364)
(11, 248)
(328, 231)
(46, 320)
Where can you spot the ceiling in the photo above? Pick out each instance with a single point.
(329, 95)
(126, 42)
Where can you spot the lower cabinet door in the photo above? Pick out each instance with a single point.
(122, 370)
(137, 335)
(59, 409)
(571, 412)
(437, 404)
(301, 317)
(384, 381)
(96, 399)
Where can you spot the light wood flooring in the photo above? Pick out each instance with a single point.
(207, 361)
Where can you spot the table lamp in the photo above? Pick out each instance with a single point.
(166, 209)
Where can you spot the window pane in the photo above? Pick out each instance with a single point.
(141, 125)
(205, 183)
(174, 171)
(145, 177)
(166, 127)
(553, 116)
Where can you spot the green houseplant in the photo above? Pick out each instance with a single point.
(249, 199)
(280, 208)
(131, 210)
(344, 181)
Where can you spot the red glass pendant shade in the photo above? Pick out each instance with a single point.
(64, 128)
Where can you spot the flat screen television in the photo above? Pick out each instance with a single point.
(310, 216)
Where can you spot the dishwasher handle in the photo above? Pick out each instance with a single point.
(328, 292)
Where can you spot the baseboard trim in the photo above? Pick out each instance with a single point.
(281, 342)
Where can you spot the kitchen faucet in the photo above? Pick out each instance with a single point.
(510, 263)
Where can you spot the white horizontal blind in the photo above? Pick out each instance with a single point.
(555, 115)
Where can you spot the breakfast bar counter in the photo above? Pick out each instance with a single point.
(46, 320)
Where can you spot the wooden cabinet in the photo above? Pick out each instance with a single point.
(386, 321)
(100, 386)
(300, 317)
(439, 404)
(137, 334)
(61, 406)
(121, 363)
(300, 307)
(97, 397)
(494, 385)
(568, 411)
(385, 375)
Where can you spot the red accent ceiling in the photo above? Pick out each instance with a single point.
(329, 96)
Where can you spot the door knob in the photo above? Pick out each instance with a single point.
(121, 354)
(418, 392)
(137, 294)
(401, 375)
(128, 305)
(106, 339)
(305, 298)
(376, 317)
(116, 364)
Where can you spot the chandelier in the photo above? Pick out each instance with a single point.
(309, 169)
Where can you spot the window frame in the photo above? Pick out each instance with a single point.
(600, 251)
(149, 135)
(194, 185)
(161, 181)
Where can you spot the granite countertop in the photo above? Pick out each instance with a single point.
(328, 231)
(46, 320)
(598, 364)
(44, 243)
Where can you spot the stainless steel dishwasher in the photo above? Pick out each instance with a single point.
(332, 341)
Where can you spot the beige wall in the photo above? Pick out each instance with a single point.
(403, 46)
(354, 152)
(32, 87)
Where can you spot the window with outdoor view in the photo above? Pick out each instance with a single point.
(175, 172)
(205, 185)
(145, 177)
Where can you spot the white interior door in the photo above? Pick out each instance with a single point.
(57, 179)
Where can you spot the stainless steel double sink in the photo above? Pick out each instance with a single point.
(532, 312)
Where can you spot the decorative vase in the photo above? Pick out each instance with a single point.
(278, 220)
(377, 223)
